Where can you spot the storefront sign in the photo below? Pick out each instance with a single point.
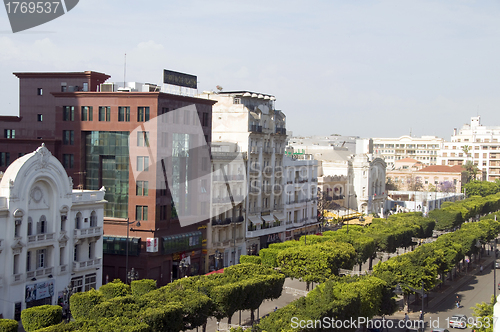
(39, 291)
(152, 244)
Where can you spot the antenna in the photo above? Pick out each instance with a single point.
(124, 70)
(410, 131)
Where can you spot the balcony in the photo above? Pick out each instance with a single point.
(85, 265)
(264, 229)
(267, 149)
(62, 269)
(256, 129)
(87, 232)
(39, 273)
(254, 150)
(16, 278)
(39, 239)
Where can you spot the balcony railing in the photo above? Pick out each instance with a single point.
(87, 232)
(17, 277)
(39, 272)
(80, 266)
(36, 239)
(254, 150)
(63, 269)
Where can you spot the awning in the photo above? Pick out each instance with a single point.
(268, 218)
(255, 220)
(279, 216)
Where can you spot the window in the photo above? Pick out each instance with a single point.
(61, 256)
(91, 250)
(164, 111)
(39, 92)
(75, 253)
(63, 222)
(142, 164)
(142, 114)
(93, 219)
(104, 113)
(143, 138)
(87, 113)
(78, 220)
(10, 133)
(15, 268)
(68, 161)
(205, 119)
(28, 261)
(30, 226)
(39, 117)
(90, 282)
(17, 228)
(68, 113)
(141, 188)
(4, 158)
(41, 226)
(40, 258)
(85, 87)
(68, 137)
(141, 212)
(124, 114)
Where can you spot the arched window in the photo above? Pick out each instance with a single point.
(78, 220)
(30, 226)
(41, 227)
(93, 219)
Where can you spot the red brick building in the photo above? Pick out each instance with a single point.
(92, 133)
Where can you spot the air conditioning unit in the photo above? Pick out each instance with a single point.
(107, 87)
(127, 89)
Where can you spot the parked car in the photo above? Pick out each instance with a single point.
(458, 321)
(497, 264)
(440, 330)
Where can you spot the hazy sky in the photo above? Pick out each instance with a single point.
(365, 68)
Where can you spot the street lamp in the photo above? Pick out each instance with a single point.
(67, 292)
(138, 224)
(132, 275)
(183, 265)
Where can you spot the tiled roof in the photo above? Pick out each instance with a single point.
(443, 168)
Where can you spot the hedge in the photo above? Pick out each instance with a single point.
(250, 259)
(143, 286)
(8, 325)
(116, 288)
(81, 304)
(42, 316)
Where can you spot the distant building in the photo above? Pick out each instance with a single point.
(320, 144)
(424, 149)
(437, 177)
(52, 235)
(476, 143)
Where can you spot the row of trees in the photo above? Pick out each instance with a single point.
(438, 258)
(182, 305)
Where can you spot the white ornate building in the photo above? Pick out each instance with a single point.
(301, 196)
(369, 183)
(477, 143)
(51, 234)
(251, 120)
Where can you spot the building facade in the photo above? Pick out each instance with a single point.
(424, 149)
(52, 234)
(143, 146)
(301, 196)
(226, 230)
(251, 120)
(475, 143)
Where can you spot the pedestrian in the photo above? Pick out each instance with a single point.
(481, 269)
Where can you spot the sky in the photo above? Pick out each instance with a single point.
(361, 68)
